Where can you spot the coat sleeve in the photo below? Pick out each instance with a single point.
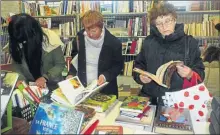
(140, 63)
(117, 64)
(73, 54)
(196, 63)
(17, 68)
(59, 64)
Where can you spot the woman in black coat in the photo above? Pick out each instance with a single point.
(167, 41)
(99, 54)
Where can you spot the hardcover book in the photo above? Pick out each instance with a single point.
(75, 92)
(134, 104)
(8, 81)
(55, 119)
(100, 102)
(173, 121)
(163, 73)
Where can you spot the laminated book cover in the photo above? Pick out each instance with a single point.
(173, 121)
(55, 119)
(134, 104)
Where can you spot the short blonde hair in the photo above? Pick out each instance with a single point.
(92, 18)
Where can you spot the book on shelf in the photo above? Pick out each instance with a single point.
(55, 119)
(163, 73)
(173, 121)
(135, 104)
(109, 129)
(75, 92)
(8, 82)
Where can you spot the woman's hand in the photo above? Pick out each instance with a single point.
(145, 79)
(184, 71)
(69, 76)
(41, 82)
(101, 79)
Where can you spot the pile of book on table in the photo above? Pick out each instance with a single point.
(136, 113)
(214, 127)
(73, 108)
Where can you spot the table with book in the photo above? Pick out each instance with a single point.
(75, 109)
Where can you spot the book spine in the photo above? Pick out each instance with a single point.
(28, 89)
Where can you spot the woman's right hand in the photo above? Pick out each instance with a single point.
(69, 76)
(145, 79)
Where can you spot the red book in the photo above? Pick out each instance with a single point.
(133, 47)
(91, 128)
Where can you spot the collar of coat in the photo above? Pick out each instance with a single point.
(53, 40)
(106, 38)
(178, 33)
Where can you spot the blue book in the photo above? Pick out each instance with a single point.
(55, 119)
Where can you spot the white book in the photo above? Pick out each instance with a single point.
(8, 81)
(75, 92)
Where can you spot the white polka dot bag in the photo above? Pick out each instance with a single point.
(197, 99)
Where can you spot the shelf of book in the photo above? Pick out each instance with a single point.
(57, 16)
(126, 14)
(199, 12)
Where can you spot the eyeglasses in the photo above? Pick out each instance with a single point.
(166, 23)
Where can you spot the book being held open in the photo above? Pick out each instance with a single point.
(75, 92)
(163, 74)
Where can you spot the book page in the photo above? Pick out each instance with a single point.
(8, 81)
(91, 90)
(152, 76)
(71, 88)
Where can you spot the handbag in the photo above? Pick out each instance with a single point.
(197, 99)
(193, 96)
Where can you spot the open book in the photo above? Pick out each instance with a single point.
(163, 74)
(75, 92)
(8, 81)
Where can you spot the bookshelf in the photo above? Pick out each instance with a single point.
(117, 15)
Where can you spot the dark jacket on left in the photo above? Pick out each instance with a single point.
(110, 61)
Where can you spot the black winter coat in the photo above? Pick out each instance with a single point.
(157, 51)
(110, 61)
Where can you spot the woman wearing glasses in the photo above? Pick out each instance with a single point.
(99, 54)
(167, 41)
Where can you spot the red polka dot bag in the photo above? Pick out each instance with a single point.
(193, 96)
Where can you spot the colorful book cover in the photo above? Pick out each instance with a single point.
(100, 102)
(54, 119)
(134, 104)
(173, 120)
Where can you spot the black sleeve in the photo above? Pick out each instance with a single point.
(74, 52)
(217, 26)
(74, 48)
(196, 63)
(117, 64)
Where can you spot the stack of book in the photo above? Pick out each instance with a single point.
(135, 112)
(215, 116)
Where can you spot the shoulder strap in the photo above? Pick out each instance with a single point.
(186, 57)
(77, 43)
